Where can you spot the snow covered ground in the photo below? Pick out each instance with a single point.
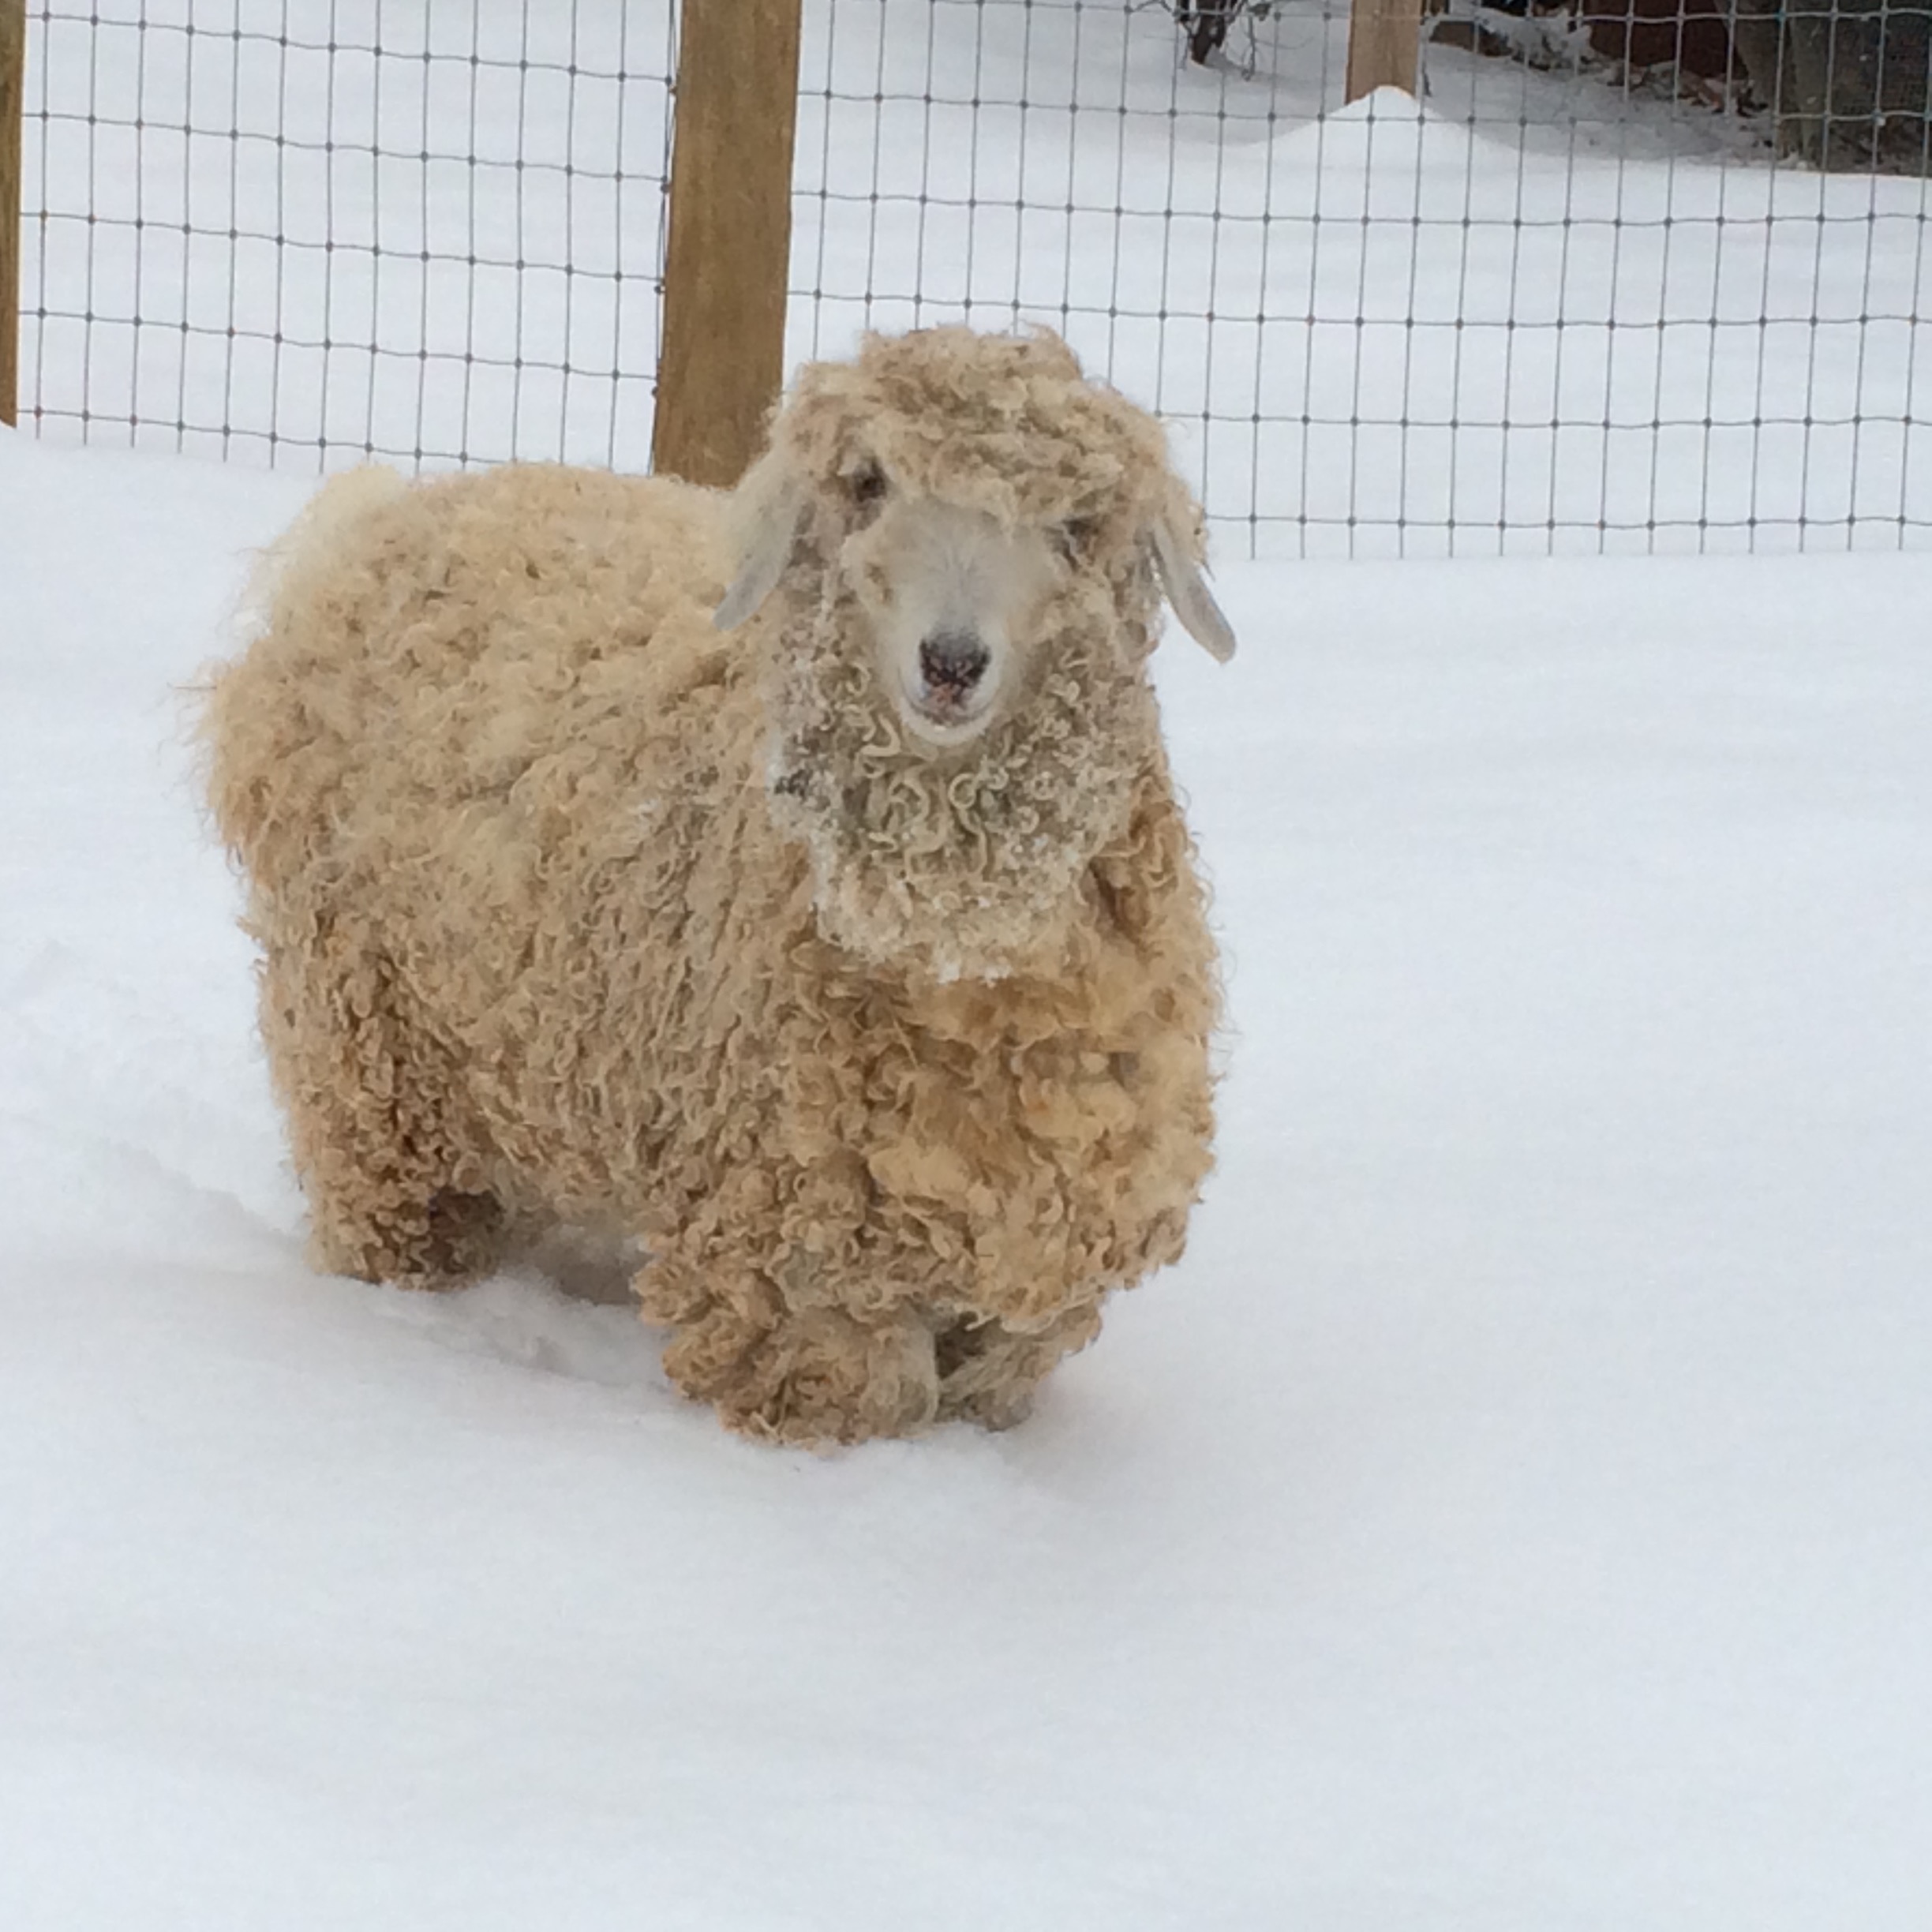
(1512, 1514)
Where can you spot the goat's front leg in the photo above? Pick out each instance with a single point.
(811, 1375)
(988, 1373)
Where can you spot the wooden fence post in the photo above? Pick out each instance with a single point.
(1385, 40)
(721, 362)
(13, 107)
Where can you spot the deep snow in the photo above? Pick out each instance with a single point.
(1512, 1513)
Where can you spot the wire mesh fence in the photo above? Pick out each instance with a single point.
(317, 231)
(1619, 281)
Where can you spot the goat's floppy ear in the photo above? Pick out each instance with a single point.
(1187, 592)
(762, 518)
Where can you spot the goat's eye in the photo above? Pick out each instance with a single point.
(1075, 537)
(866, 485)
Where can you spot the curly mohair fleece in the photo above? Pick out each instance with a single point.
(574, 910)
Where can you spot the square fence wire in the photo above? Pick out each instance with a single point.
(1631, 276)
(311, 231)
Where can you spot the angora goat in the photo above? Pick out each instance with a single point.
(786, 882)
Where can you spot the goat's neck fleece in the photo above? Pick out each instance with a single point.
(960, 866)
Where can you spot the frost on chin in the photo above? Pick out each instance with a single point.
(963, 864)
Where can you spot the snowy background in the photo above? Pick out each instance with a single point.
(1512, 1514)
(1552, 314)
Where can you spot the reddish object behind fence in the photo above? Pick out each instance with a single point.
(1694, 35)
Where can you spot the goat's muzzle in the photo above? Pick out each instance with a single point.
(953, 661)
(952, 665)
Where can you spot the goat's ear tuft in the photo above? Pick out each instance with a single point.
(1187, 592)
(763, 519)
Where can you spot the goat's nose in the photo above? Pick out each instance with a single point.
(955, 659)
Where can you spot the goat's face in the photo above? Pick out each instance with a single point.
(965, 546)
(952, 601)
(946, 480)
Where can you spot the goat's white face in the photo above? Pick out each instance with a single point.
(950, 598)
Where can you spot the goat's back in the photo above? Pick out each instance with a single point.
(424, 653)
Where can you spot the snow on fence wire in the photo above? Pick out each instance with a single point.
(1593, 294)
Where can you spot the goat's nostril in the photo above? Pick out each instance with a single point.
(953, 660)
